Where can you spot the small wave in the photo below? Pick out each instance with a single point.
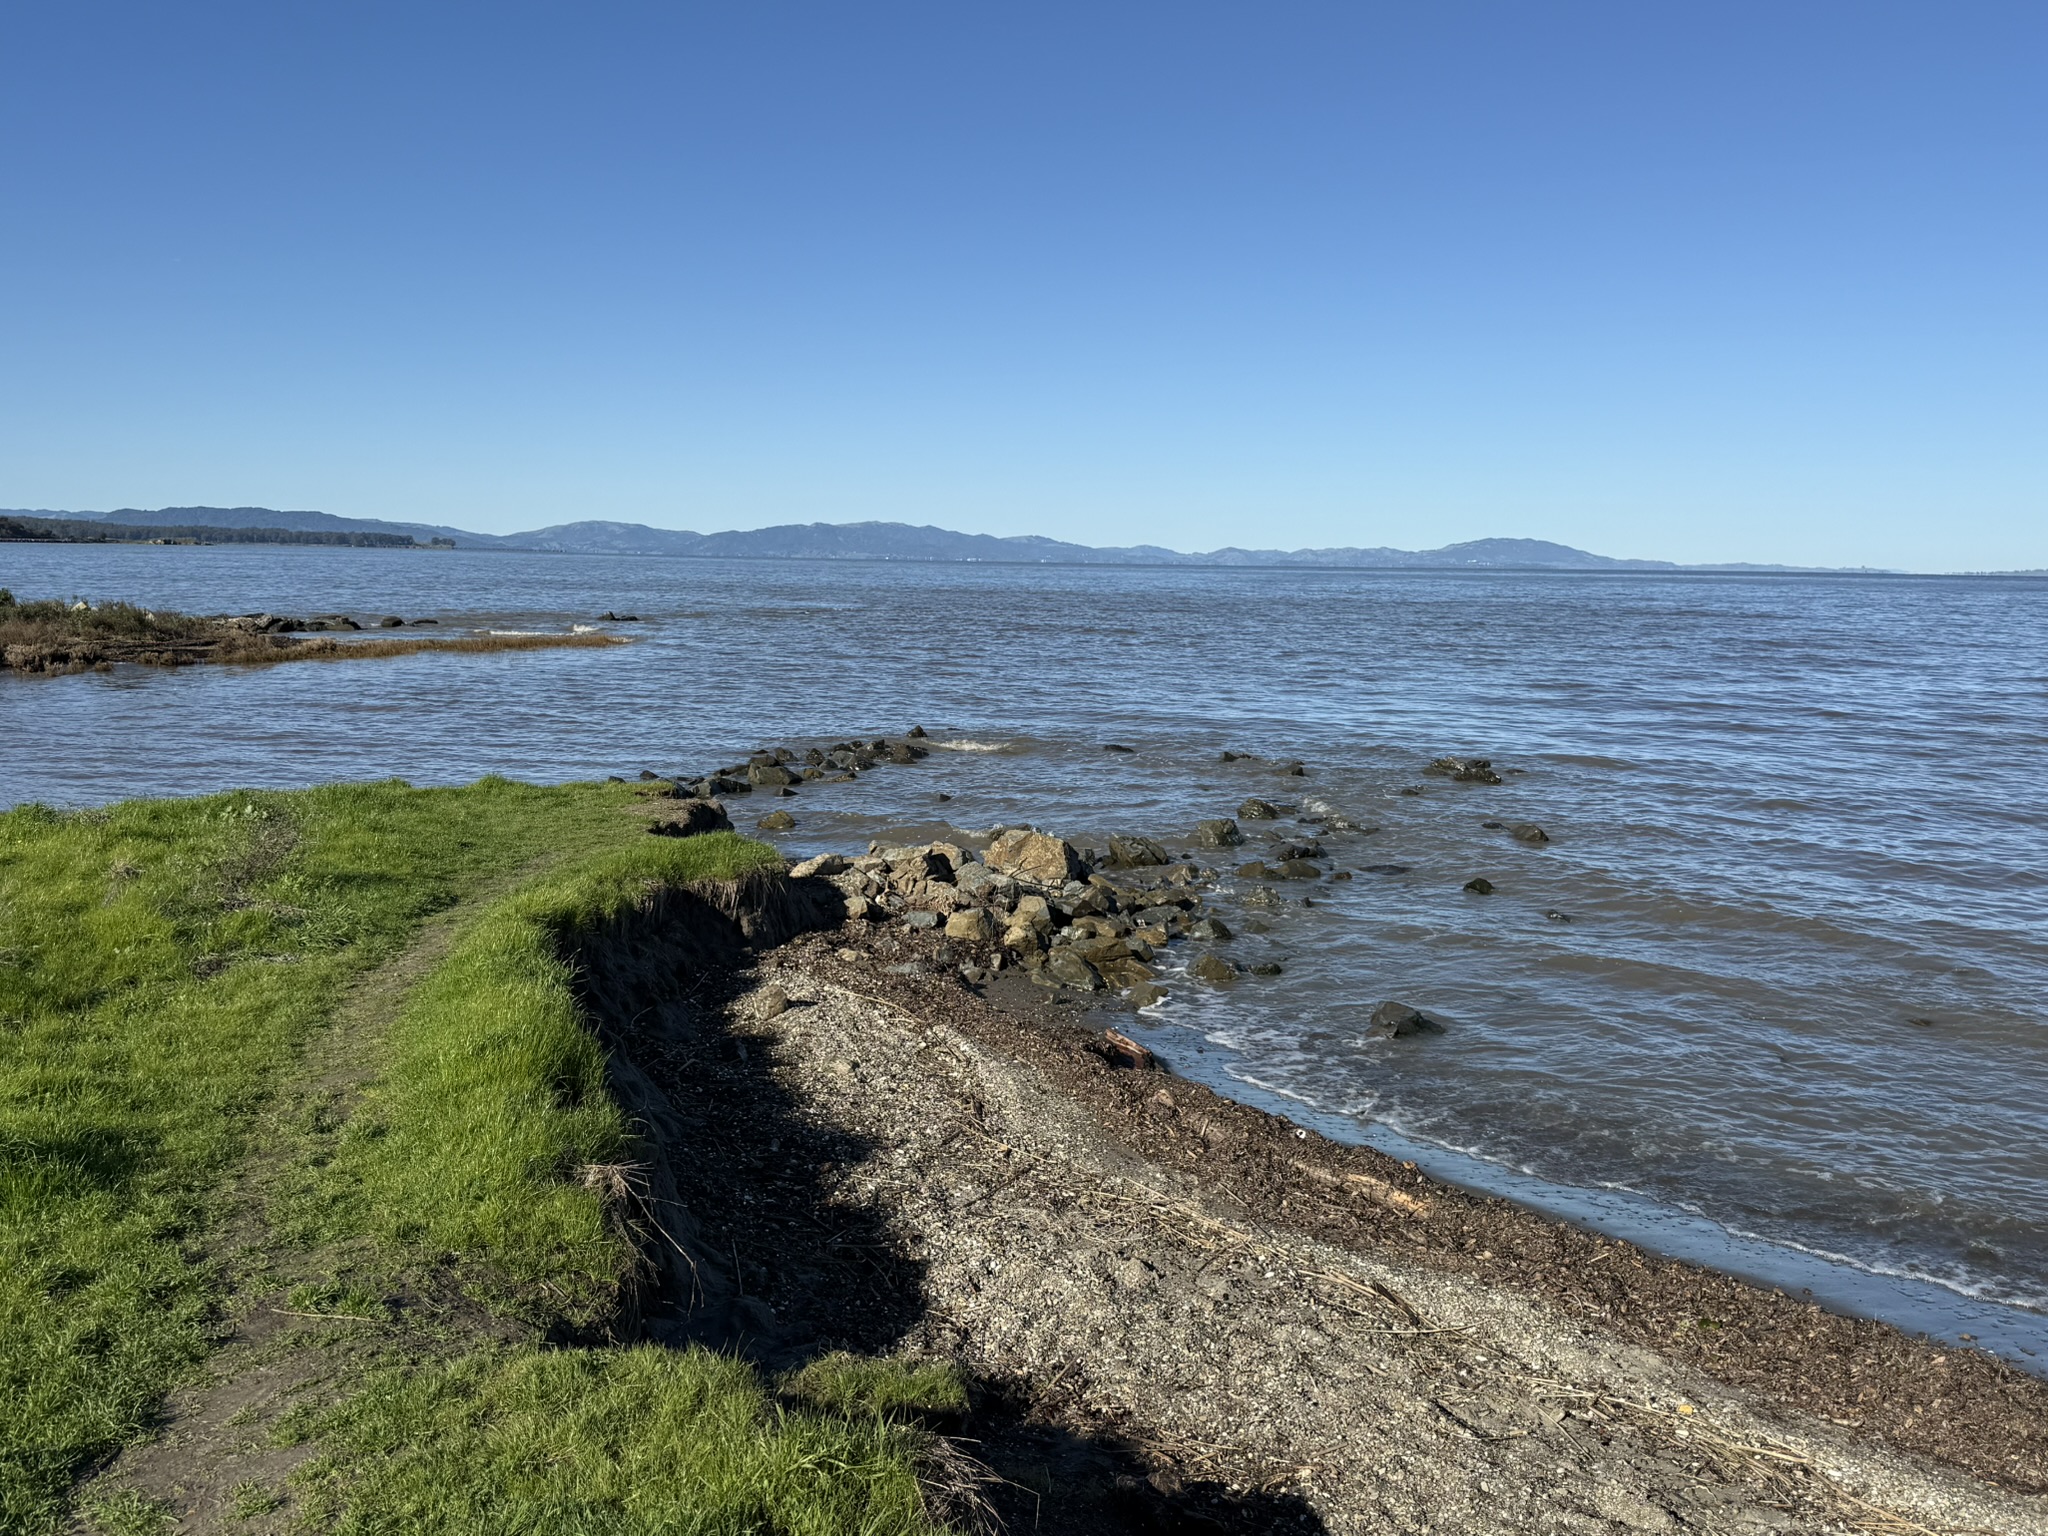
(515, 631)
(1985, 1291)
(582, 629)
(965, 745)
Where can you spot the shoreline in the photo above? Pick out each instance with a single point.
(1259, 1313)
(1913, 1306)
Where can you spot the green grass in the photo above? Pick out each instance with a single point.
(163, 965)
(595, 1442)
(160, 962)
(469, 1150)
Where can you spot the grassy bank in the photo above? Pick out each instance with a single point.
(49, 637)
(162, 965)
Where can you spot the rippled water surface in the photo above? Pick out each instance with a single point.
(1790, 818)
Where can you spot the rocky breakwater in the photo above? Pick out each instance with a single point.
(1033, 902)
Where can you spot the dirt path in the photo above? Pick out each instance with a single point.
(893, 1162)
(213, 1465)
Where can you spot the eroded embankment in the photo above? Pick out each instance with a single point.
(1178, 1309)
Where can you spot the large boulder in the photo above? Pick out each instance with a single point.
(1256, 809)
(1035, 856)
(1219, 833)
(771, 774)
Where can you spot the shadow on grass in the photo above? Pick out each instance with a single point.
(759, 1262)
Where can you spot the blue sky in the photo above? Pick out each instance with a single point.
(1699, 282)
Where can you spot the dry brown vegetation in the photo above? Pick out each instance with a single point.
(54, 637)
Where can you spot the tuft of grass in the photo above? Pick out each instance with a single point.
(626, 1441)
(861, 1386)
(142, 1021)
(468, 1150)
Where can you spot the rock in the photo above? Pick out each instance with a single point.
(1297, 869)
(693, 818)
(649, 776)
(1308, 850)
(917, 733)
(613, 778)
(1558, 917)
(1266, 968)
(1263, 896)
(783, 755)
(914, 864)
(1396, 1021)
(1291, 767)
(777, 821)
(1112, 746)
(1479, 885)
(1255, 870)
(1023, 939)
(1388, 869)
(785, 792)
(1528, 832)
(1340, 874)
(922, 919)
(903, 752)
(770, 774)
(1220, 833)
(973, 926)
(1493, 826)
(1135, 852)
(1211, 930)
(391, 621)
(1147, 994)
(1034, 856)
(769, 1002)
(1231, 757)
(824, 867)
(351, 624)
(726, 784)
(1256, 809)
(1212, 967)
(979, 881)
(1033, 912)
(1069, 970)
(1126, 1052)
(1411, 789)
(608, 617)
(1465, 770)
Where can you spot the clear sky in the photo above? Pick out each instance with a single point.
(1694, 281)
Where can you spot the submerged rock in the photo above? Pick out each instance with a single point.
(1221, 832)
(1529, 832)
(1212, 967)
(1465, 770)
(1395, 1021)
(1479, 885)
(1256, 809)
(777, 821)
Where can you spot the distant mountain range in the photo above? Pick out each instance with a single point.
(881, 541)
